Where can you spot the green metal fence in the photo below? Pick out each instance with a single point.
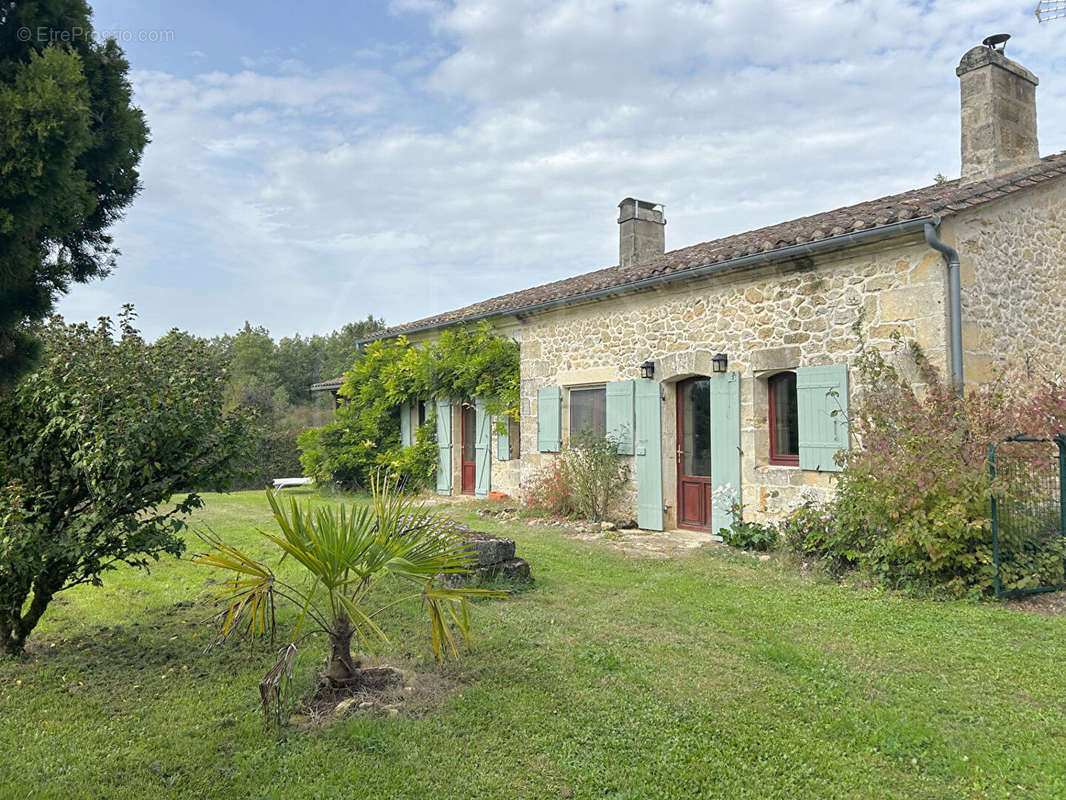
(1028, 514)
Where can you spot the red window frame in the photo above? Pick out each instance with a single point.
(775, 458)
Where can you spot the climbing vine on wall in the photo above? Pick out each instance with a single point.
(462, 363)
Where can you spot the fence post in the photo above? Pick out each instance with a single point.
(1060, 440)
(995, 516)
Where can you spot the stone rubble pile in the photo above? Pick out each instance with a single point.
(495, 559)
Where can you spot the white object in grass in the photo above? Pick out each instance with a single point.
(288, 483)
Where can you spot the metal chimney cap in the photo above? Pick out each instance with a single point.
(995, 39)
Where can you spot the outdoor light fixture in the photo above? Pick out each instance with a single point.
(719, 363)
(647, 369)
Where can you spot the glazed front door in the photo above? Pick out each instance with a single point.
(469, 468)
(694, 454)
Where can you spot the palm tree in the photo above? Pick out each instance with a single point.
(345, 553)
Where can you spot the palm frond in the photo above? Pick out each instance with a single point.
(444, 603)
(276, 685)
(249, 600)
(344, 552)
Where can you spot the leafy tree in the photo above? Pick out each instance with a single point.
(253, 369)
(342, 348)
(345, 554)
(96, 443)
(70, 142)
(273, 380)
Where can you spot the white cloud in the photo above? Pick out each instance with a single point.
(302, 198)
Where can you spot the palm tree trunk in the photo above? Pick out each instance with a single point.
(340, 668)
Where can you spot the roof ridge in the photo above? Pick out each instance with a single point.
(937, 199)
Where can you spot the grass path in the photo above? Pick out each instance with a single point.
(711, 675)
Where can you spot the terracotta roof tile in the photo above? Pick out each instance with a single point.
(332, 383)
(938, 199)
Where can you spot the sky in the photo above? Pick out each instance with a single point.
(315, 162)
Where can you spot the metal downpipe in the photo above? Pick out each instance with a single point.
(951, 257)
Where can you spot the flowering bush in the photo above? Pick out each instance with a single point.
(584, 481)
(547, 492)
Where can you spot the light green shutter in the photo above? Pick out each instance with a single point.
(649, 455)
(821, 391)
(405, 425)
(620, 415)
(725, 448)
(444, 447)
(549, 419)
(482, 460)
(503, 439)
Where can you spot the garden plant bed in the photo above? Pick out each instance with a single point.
(1047, 604)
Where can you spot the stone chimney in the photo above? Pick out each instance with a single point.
(998, 113)
(642, 231)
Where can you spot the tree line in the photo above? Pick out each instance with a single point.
(271, 380)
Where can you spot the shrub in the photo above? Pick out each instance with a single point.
(547, 491)
(274, 452)
(751, 536)
(596, 473)
(99, 443)
(585, 481)
(912, 506)
(813, 530)
(415, 467)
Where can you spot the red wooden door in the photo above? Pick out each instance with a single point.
(469, 468)
(694, 454)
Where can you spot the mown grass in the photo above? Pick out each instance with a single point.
(711, 675)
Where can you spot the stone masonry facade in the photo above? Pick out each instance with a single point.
(805, 293)
(1013, 255)
(768, 321)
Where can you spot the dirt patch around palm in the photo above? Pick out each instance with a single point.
(387, 691)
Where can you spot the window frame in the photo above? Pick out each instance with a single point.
(599, 409)
(775, 458)
(514, 439)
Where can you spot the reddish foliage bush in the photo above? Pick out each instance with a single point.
(547, 492)
(913, 504)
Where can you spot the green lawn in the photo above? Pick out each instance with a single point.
(711, 675)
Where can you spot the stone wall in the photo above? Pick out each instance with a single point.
(1013, 270)
(766, 321)
(1013, 261)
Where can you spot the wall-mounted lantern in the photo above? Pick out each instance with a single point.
(647, 369)
(720, 363)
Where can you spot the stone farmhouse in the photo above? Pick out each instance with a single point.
(718, 366)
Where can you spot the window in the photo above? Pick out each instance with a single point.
(514, 438)
(784, 419)
(421, 413)
(469, 434)
(588, 411)
(694, 416)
